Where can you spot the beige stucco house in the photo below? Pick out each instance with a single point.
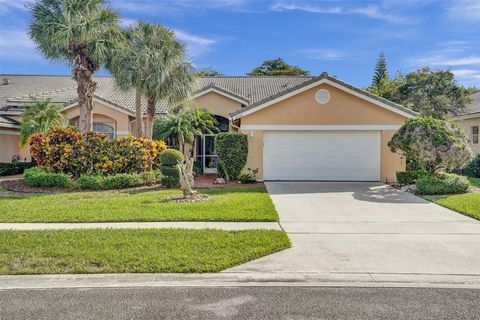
(470, 122)
(298, 128)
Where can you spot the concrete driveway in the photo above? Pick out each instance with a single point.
(368, 228)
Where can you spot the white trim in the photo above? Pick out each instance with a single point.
(12, 133)
(312, 85)
(8, 125)
(466, 116)
(123, 132)
(74, 104)
(361, 127)
(201, 93)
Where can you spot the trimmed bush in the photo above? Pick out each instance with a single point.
(473, 168)
(11, 168)
(444, 183)
(69, 151)
(170, 182)
(39, 177)
(171, 157)
(232, 151)
(169, 170)
(410, 177)
(90, 182)
(121, 181)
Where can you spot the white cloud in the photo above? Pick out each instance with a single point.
(126, 22)
(6, 6)
(16, 44)
(468, 77)
(156, 7)
(323, 54)
(442, 60)
(195, 45)
(464, 10)
(370, 11)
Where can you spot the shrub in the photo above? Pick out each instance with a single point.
(232, 151)
(171, 157)
(169, 170)
(69, 151)
(39, 177)
(8, 169)
(410, 177)
(444, 183)
(170, 182)
(473, 168)
(248, 177)
(433, 144)
(90, 182)
(122, 180)
(150, 177)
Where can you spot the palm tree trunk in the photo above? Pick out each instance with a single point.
(138, 114)
(150, 114)
(82, 74)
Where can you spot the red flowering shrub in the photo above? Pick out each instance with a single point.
(69, 151)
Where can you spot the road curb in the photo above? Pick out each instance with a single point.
(234, 279)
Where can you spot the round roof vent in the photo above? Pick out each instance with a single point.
(322, 96)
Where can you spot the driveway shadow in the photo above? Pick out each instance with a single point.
(362, 191)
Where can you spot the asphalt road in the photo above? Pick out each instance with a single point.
(292, 303)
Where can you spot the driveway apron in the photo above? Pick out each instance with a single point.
(356, 227)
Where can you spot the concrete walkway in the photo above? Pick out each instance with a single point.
(368, 228)
(142, 225)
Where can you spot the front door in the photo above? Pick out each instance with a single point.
(209, 158)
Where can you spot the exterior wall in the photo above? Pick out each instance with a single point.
(9, 144)
(103, 113)
(218, 105)
(342, 109)
(467, 125)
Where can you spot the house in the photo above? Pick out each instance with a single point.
(299, 128)
(470, 121)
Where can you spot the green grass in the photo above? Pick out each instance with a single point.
(468, 204)
(474, 181)
(134, 250)
(2, 189)
(233, 204)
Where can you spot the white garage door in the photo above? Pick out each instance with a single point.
(321, 155)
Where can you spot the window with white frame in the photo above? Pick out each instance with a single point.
(475, 134)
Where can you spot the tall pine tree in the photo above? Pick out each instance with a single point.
(381, 72)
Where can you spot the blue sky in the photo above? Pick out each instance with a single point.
(340, 37)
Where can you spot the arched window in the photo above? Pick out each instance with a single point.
(222, 123)
(105, 128)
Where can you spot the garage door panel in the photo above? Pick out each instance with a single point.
(322, 155)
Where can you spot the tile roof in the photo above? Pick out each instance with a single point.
(325, 75)
(24, 89)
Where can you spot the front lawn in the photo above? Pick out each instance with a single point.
(229, 204)
(474, 181)
(134, 250)
(468, 204)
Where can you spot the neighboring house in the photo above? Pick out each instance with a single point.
(299, 128)
(470, 121)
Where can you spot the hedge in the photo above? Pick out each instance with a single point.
(39, 177)
(12, 168)
(232, 150)
(69, 151)
(410, 177)
(473, 168)
(119, 181)
(444, 183)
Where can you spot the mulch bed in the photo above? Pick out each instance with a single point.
(19, 186)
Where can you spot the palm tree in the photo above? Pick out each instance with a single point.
(182, 126)
(153, 62)
(83, 33)
(40, 117)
